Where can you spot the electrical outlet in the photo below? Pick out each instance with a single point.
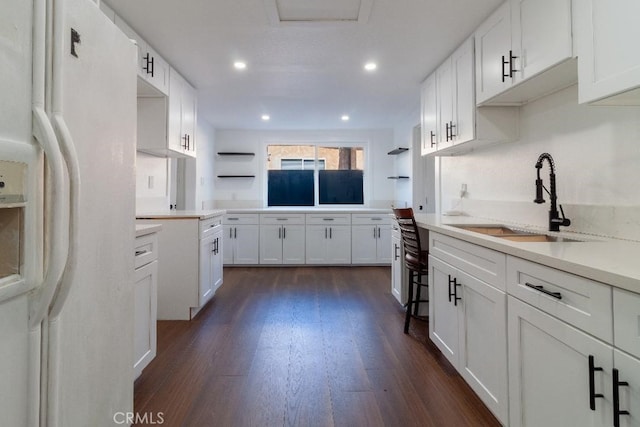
(150, 184)
(463, 190)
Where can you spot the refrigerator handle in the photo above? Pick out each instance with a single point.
(59, 217)
(70, 156)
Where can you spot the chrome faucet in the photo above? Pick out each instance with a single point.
(554, 218)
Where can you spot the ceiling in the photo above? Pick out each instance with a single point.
(305, 58)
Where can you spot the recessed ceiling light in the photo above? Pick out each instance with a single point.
(265, 117)
(345, 118)
(370, 66)
(240, 65)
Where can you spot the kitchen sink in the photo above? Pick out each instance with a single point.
(514, 234)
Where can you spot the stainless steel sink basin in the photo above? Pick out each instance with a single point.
(514, 234)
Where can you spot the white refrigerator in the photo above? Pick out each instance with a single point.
(67, 209)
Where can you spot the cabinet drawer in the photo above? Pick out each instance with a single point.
(235, 219)
(209, 226)
(626, 321)
(282, 219)
(578, 301)
(485, 264)
(146, 249)
(328, 219)
(368, 219)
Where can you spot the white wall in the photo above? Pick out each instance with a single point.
(250, 192)
(200, 172)
(597, 156)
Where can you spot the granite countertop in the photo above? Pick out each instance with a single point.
(144, 229)
(180, 214)
(610, 261)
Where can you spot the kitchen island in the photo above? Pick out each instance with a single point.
(190, 260)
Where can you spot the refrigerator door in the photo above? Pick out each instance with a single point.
(94, 114)
(18, 163)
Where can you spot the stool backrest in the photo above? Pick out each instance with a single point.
(410, 236)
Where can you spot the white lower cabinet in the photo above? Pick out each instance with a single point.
(241, 238)
(145, 301)
(549, 372)
(328, 244)
(371, 239)
(398, 270)
(282, 239)
(210, 265)
(328, 238)
(467, 322)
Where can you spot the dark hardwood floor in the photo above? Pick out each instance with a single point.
(304, 347)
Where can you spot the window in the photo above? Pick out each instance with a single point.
(309, 175)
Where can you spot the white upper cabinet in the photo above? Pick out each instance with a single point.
(608, 56)
(153, 70)
(182, 116)
(458, 125)
(524, 50)
(428, 114)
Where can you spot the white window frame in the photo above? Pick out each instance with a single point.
(366, 173)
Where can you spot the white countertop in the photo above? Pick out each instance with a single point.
(308, 209)
(611, 261)
(144, 229)
(178, 214)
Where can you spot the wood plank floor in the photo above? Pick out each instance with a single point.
(304, 347)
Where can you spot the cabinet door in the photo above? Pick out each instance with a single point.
(157, 70)
(429, 113)
(608, 57)
(364, 239)
(246, 240)
(629, 371)
(316, 244)
(541, 35)
(175, 141)
(549, 371)
(493, 41)
(145, 315)
(293, 244)
(338, 249)
(443, 314)
(383, 244)
(464, 106)
(444, 77)
(216, 267)
(483, 342)
(228, 244)
(188, 118)
(207, 252)
(270, 244)
(397, 264)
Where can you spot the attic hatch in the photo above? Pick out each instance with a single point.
(284, 12)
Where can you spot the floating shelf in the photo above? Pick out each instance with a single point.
(234, 153)
(236, 176)
(398, 177)
(397, 151)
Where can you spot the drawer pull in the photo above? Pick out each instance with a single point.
(328, 219)
(616, 398)
(592, 383)
(540, 288)
(138, 253)
(233, 219)
(281, 219)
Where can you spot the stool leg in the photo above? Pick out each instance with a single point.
(409, 303)
(416, 305)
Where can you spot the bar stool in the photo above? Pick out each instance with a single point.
(415, 259)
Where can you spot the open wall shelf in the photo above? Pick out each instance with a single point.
(236, 176)
(234, 153)
(398, 177)
(397, 151)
